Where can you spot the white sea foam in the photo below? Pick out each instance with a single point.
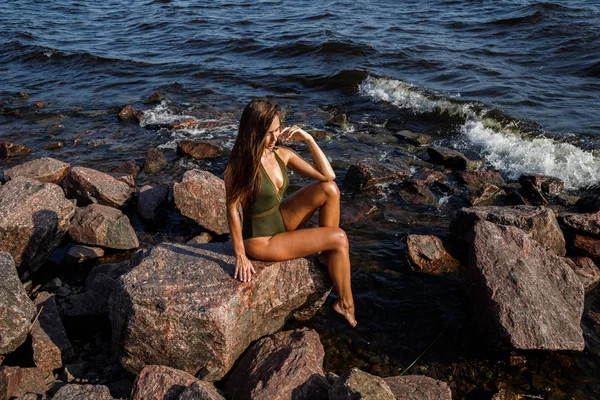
(161, 114)
(502, 145)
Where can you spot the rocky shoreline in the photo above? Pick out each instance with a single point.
(168, 320)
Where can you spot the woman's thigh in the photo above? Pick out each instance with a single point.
(295, 244)
(301, 205)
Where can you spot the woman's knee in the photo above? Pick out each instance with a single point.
(340, 238)
(331, 190)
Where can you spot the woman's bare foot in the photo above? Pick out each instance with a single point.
(347, 312)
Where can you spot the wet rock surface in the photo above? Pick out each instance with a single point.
(418, 194)
(201, 196)
(452, 159)
(417, 387)
(414, 138)
(199, 150)
(99, 225)
(155, 161)
(35, 217)
(364, 175)
(285, 365)
(90, 186)
(427, 254)
(16, 310)
(150, 327)
(43, 169)
(526, 296)
(8, 149)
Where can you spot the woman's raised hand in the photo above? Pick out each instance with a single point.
(243, 269)
(294, 133)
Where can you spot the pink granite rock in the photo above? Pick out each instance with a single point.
(181, 307)
(356, 385)
(417, 387)
(165, 383)
(17, 381)
(99, 225)
(34, 217)
(583, 224)
(201, 196)
(199, 150)
(287, 365)
(43, 169)
(587, 271)
(83, 392)
(8, 149)
(91, 186)
(364, 175)
(427, 254)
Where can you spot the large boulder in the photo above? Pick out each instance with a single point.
(43, 169)
(366, 174)
(201, 196)
(539, 222)
(358, 385)
(99, 225)
(586, 270)
(16, 310)
(17, 381)
(34, 217)
(49, 339)
(287, 365)
(83, 392)
(427, 253)
(526, 297)
(165, 383)
(91, 186)
(182, 308)
(584, 224)
(418, 387)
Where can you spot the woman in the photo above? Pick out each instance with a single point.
(256, 178)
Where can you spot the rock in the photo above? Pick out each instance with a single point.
(129, 180)
(34, 217)
(584, 246)
(427, 254)
(99, 225)
(417, 387)
(319, 134)
(17, 381)
(364, 175)
(539, 185)
(127, 168)
(202, 238)
(75, 371)
(199, 150)
(83, 392)
(527, 297)
(155, 97)
(91, 186)
(282, 366)
(586, 270)
(16, 310)
(584, 224)
(155, 161)
(200, 391)
(417, 139)
(44, 169)
(128, 113)
(48, 337)
(54, 146)
(426, 176)
(111, 270)
(52, 285)
(8, 149)
(40, 104)
(339, 121)
(165, 383)
(201, 196)
(504, 394)
(479, 179)
(485, 196)
(23, 95)
(356, 385)
(181, 307)
(80, 254)
(152, 201)
(184, 123)
(94, 301)
(356, 211)
(589, 203)
(539, 222)
(452, 159)
(418, 194)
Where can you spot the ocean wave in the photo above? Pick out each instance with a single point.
(510, 145)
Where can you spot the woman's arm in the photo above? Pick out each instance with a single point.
(243, 267)
(323, 171)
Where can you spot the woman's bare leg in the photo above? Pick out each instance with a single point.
(303, 242)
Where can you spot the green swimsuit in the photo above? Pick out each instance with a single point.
(263, 218)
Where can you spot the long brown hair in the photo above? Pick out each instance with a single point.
(244, 161)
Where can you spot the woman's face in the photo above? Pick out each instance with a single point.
(273, 133)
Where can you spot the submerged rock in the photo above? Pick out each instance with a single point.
(418, 387)
(91, 186)
(181, 307)
(201, 196)
(155, 161)
(527, 297)
(43, 169)
(356, 385)
(417, 139)
(8, 149)
(199, 150)
(427, 254)
(34, 218)
(452, 159)
(282, 366)
(165, 383)
(418, 194)
(16, 310)
(539, 222)
(426, 176)
(356, 211)
(364, 175)
(129, 113)
(98, 225)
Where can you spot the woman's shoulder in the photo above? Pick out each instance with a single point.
(285, 153)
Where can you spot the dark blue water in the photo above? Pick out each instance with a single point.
(514, 82)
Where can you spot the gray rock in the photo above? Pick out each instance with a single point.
(83, 392)
(99, 225)
(417, 387)
(16, 310)
(287, 365)
(152, 201)
(34, 217)
(526, 297)
(90, 186)
(181, 307)
(94, 301)
(44, 169)
(357, 385)
(111, 270)
(155, 161)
